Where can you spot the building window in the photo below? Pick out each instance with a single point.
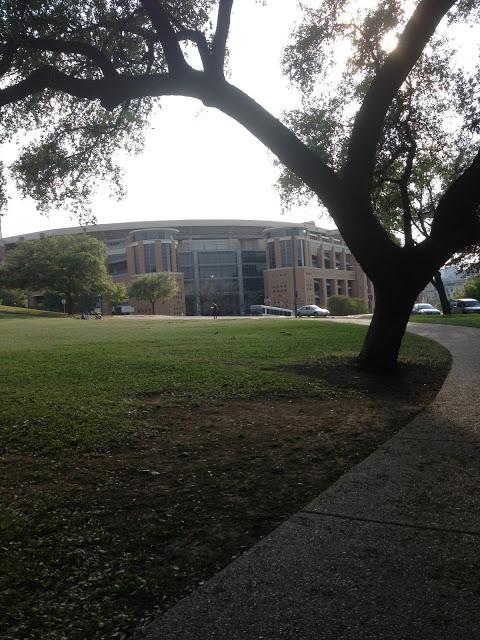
(348, 262)
(326, 260)
(136, 257)
(300, 250)
(254, 256)
(350, 288)
(166, 257)
(286, 252)
(219, 272)
(314, 260)
(338, 260)
(329, 286)
(271, 255)
(150, 264)
(217, 257)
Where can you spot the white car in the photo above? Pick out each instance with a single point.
(312, 310)
(425, 309)
(465, 305)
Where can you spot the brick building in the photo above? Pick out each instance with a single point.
(235, 263)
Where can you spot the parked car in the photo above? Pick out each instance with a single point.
(465, 305)
(312, 310)
(425, 309)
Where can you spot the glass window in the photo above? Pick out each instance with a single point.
(185, 260)
(254, 256)
(117, 268)
(217, 257)
(153, 234)
(252, 270)
(314, 260)
(300, 250)
(271, 255)
(285, 232)
(150, 264)
(286, 252)
(326, 260)
(329, 286)
(224, 271)
(166, 257)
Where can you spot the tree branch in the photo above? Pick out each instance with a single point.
(167, 36)
(199, 39)
(457, 219)
(79, 48)
(398, 64)
(219, 44)
(7, 58)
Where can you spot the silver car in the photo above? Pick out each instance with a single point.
(312, 310)
(425, 309)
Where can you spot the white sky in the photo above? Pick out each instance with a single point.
(198, 163)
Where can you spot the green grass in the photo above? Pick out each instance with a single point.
(95, 539)
(457, 319)
(81, 385)
(12, 312)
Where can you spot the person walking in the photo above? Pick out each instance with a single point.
(215, 310)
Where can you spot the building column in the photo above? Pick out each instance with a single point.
(130, 261)
(174, 256)
(141, 256)
(196, 281)
(158, 256)
(278, 253)
(241, 289)
(323, 291)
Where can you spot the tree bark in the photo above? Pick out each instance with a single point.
(384, 337)
(440, 287)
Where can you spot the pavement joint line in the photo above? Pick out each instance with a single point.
(439, 440)
(394, 523)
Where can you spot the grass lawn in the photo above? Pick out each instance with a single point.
(12, 312)
(467, 320)
(138, 457)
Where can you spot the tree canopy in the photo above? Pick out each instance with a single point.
(71, 266)
(153, 287)
(86, 75)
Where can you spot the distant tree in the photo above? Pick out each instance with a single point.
(116, 293)
(13, 297)
(153, 287)
(467, 261)
(471, 288)
(70, 266)
(345, 306)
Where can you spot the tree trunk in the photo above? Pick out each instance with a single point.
(152, 302)
(440, 288)
(382, 344)
(69, 298)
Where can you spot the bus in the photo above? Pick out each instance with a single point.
(263, 310)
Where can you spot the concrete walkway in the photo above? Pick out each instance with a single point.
(391, 551)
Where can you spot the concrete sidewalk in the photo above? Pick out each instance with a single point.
(391, 551)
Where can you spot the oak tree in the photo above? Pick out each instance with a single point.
(70, 266)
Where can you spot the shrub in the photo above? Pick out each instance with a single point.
(344, 306)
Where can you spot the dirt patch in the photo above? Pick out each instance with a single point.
(115, 538)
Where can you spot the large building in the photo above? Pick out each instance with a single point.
(235, 263)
